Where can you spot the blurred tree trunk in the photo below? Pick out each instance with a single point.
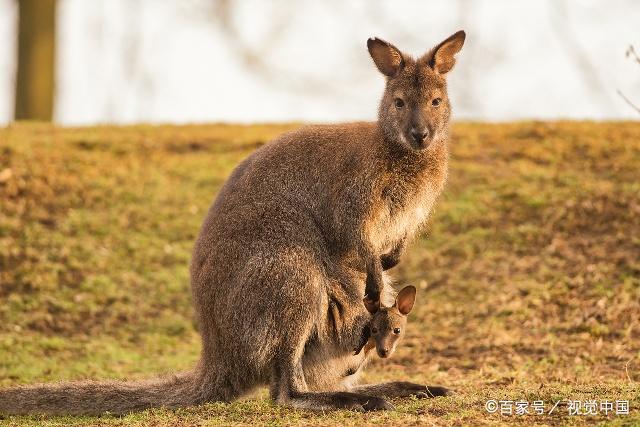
(36, 53)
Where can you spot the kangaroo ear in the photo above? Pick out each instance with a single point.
(386, 56)
(371, 306)
(443, 55)
(405, 299)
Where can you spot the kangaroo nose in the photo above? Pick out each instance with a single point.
(384, 352)
(418, 135)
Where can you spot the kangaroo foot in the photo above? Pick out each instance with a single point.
(402, 389)
(338, 400)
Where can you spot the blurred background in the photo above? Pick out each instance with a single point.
(82, 62)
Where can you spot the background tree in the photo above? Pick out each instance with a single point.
(36, 53)
(630, 53)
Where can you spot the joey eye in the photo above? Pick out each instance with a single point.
(396, 331)
(436, 102)
(374, 330)
(399, 103)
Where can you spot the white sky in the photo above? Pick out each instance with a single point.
(128, 61)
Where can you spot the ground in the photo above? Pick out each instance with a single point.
(528, 276)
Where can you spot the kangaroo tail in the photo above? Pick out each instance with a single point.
(98, 397)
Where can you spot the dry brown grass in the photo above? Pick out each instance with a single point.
(529, 276)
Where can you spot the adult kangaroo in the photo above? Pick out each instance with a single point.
(278, 270)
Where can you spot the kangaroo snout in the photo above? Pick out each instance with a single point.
(384, 352)
(419, 136)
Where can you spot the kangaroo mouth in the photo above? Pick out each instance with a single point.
(417, 145)
(422, 145)
(383, 354)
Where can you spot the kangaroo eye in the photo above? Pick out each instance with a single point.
(396, 331)
(374, 330)
(399, 103)
(436, 102)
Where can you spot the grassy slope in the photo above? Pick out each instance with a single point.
(529, 277)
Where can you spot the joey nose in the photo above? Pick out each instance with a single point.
(418, 135)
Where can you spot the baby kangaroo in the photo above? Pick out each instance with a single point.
(386, 327)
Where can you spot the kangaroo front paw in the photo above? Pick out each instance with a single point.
(373, 286)
(388, 261)
(371, 301)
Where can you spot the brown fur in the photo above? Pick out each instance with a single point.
(288, 237)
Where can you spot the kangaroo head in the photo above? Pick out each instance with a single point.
(415, 109)
(387, 324)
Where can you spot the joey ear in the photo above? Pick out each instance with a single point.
(443, 55)
(371, 306)
(405, 299)
(386, 56)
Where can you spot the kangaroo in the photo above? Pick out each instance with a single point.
(386, 327)
(300, 223)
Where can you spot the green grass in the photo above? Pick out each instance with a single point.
(528, 276)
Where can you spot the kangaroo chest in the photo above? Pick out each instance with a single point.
(399, 210)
